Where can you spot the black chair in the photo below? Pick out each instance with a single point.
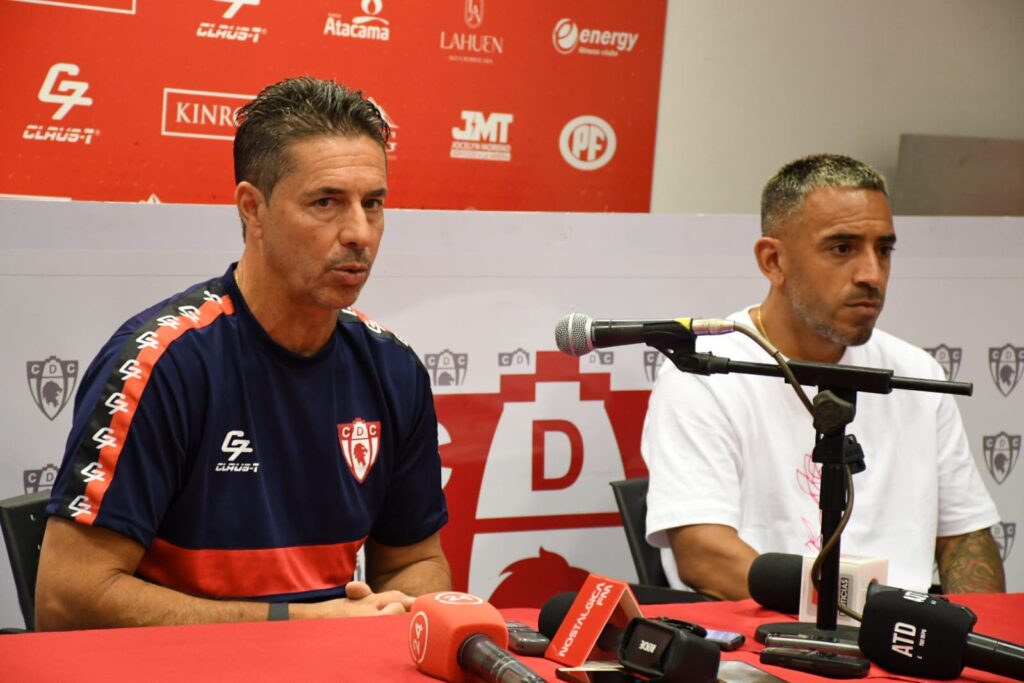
(631, 497)
(23, 521)
(653, 589)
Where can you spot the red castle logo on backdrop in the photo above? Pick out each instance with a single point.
(549, 441)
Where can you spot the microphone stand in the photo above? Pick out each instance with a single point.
(835, 406)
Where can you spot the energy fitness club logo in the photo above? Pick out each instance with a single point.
(587, 143)
(368, 26)
(58, 88)
(470, 46)
(234, 32)
(482, 136)
(568, 37)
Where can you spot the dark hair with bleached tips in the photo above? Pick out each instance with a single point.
(296, 109)
(786, 190)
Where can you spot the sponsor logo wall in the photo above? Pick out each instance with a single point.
(529, 438)
(498, 100)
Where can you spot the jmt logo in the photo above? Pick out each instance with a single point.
(587, 143)
(482, 136)
(479, 127)
(66, 93)
(567, 37)
(647, 646)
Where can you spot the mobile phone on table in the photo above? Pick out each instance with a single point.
(819, 643)
(725, 640)
(524, 640)
(826, 664)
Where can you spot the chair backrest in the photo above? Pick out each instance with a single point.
(23, 520)
(631, 497)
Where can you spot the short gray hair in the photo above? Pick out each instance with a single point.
(786, 190)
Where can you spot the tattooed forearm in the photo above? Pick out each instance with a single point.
(970, 563)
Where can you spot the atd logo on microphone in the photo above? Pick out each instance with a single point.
(948, 357)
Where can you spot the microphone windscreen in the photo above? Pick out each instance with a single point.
(441, 622)
(774, 581)
(552, 614)
(915, 634)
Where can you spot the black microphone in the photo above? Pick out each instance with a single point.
(916, 634)
(578, 334)
(774, 581)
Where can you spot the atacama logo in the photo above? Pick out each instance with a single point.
(209, 29)
(587, 143)
(200, 114)
(68, 93)
(482, 136)
(51, 383)
(235, 445)
(567, 37)
(467, 46)
(368, 26)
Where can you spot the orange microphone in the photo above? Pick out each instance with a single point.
(458, 637)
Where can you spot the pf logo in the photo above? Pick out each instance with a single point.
(1004, 533)
(66, 93)
(447, 368)
(51, 383)
(948, 357)
(360, 443)
(1001, 452)
(1005, 363)
(587, 143)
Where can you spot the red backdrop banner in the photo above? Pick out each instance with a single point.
(495, 104)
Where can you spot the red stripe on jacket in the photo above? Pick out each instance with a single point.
(249, 573)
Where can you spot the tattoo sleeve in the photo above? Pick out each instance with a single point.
(970, 563)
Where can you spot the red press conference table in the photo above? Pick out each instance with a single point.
(361, 649)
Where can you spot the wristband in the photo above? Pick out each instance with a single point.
(278, 611)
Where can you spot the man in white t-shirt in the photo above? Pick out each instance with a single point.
(731, 474)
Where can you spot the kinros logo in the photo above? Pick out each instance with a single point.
(587, 143)
(568, 37)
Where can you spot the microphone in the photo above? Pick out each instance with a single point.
(927, 636)
(782, 582)
(458, 637)
(662, 649)
(578, 334)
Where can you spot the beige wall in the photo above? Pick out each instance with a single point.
(750, 84)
